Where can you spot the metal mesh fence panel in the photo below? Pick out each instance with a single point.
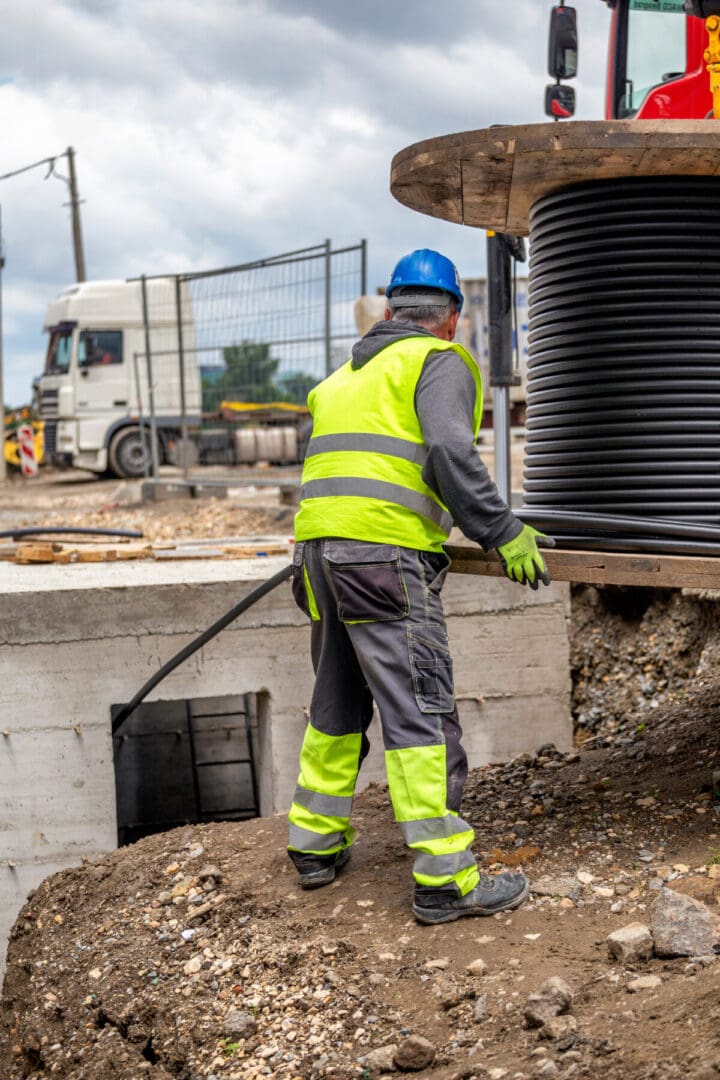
(248, 342)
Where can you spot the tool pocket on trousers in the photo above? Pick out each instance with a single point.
(435, 565)
(367, 580)
(431, 669)
(298, 580)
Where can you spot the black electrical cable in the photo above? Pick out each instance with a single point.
(252, 598)
(54, 530)
(623, 390)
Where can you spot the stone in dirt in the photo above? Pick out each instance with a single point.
(564, 885)
(553, 998)
(380, 1060)
(645, 982)
(239, 1024)
(557, 1027)
(682, 926)
(631, 943)
(414, 1053)
(477, 967)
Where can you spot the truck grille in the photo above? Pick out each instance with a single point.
(50, 439)
(49, 404)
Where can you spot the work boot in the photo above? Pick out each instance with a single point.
(316, 870)
(501, 892)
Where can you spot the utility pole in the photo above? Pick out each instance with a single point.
(75, 211)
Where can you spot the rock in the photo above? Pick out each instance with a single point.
(564, 885)
(631, 943)
(239, 1024)
(193, 965)
(714, 872)
(547, 1068)
(477, 967)
(414, 1053)
(209, 871)
(682, 926)
(480, 1009)
(439, 964)
(584, 877)
(645, 982)
(380, 1060)
(553, 998)
(557, 1027)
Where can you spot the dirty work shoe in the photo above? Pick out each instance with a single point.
(501, 892)
(316, 870)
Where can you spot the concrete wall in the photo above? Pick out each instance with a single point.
(75, 640)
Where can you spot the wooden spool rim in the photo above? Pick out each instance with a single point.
(490, 178)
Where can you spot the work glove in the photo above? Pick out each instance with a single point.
(522, 560)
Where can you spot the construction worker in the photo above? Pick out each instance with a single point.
(390, 464)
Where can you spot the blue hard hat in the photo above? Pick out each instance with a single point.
(427, 269)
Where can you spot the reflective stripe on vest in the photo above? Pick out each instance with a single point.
(366, 443)
(379, 489)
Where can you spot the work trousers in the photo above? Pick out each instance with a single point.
(378, 634)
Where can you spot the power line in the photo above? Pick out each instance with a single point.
(36, 165)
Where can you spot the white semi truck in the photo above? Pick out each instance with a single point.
(94, 394)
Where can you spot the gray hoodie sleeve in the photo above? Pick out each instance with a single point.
(444, 401)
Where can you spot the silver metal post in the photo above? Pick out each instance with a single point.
(181, 361)
(3, 466)
(328, 307)
(151, 384)
(501, 441)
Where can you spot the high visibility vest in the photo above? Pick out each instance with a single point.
(362, 477)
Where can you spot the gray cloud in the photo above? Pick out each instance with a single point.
(209, 134)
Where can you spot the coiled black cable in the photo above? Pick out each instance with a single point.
(623, 392)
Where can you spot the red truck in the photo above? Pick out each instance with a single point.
(656, 66)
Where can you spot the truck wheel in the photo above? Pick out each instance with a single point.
(129, 455)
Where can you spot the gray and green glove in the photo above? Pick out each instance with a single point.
(522, 560)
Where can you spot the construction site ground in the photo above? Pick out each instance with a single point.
(194, 953)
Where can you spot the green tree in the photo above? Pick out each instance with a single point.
(248, 376)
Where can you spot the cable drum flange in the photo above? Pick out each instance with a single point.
(623, 388)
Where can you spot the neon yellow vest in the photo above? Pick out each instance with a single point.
(362, 477)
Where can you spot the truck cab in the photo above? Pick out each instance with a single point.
(95, 393)
(656, 67)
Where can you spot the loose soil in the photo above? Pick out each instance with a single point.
(194, 953)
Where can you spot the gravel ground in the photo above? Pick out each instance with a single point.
(193, 954)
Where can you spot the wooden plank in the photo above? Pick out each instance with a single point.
(491, 177)
(601, 568)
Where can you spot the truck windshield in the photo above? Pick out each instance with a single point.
(656, 49)
(59, 349)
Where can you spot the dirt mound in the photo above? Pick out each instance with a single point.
(635, 650)
(194, 953)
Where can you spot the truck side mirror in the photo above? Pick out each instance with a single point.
(562, 43)
(560, 102)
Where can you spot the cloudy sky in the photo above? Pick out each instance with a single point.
(212, 132)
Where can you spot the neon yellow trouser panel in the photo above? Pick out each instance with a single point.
(320, 813)
(440, 838)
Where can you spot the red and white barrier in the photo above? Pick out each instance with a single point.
(26, 446)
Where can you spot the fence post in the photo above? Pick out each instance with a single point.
(328, 307)
(181, 359)
(363, 267)
(151, 384)
(141, 416)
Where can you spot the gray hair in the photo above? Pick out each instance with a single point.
(415, 304)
